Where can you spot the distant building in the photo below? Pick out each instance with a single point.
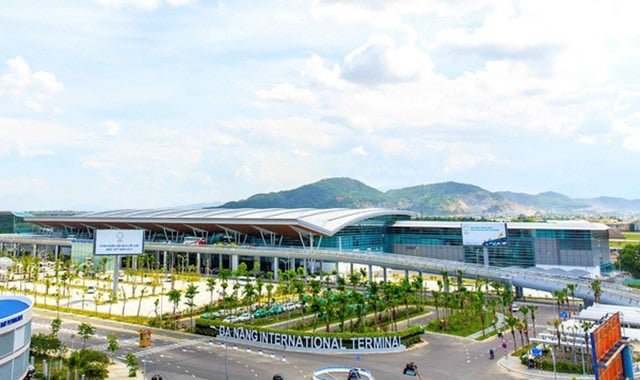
(571, 246)
(13, 222)
(15, 336)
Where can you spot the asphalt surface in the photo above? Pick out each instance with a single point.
(177, 355)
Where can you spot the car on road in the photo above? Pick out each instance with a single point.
(91, 289)
(260, 313)
(276, 309)
(209, 315)
(230, 319)
(245, 317)
(515, 308)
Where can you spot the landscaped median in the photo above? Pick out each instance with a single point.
(373, 342)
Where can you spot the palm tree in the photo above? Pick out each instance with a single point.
(373, 290)
(259, 286)
(211, 287)
(404, 291)
(586, 326)
(249, 293)
(596, 287)
(445, 279)
(525, 320)
(571, 289)
(174, 298)
(459, 273)
(533, 309)
(512, 321)
(418, 285)
(556, 323)
(559, 296)
(190, 294)
(224, 275)
(142, 291)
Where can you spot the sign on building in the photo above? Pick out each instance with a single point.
(118, 242)
(486, 234)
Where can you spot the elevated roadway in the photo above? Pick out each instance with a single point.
(531, 278)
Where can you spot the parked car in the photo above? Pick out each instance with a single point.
(289, 306)
(230, 319)
(245, 317)
(222, 312)
(276, 309)
(209, 315)
(91, 289)
(260, 313)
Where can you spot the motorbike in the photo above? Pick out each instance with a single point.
(491, 354)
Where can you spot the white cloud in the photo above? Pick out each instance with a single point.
(287, 93)
(148, 5)
(358, 151)
(461, 162)
(244, 173)
(32, 138)
(380, 61)
(30, 87)
(113, 129)
(587, 140)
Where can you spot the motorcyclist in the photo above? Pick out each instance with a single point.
(491, 353)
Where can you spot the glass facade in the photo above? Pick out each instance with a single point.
(369, 235)
(526, 247)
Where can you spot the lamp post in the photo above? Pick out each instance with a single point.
(226, 354)
(553, 356)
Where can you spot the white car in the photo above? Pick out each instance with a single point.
(230, 319)
(91, 289)
(289, 306)
(515, 308)
(245, 317)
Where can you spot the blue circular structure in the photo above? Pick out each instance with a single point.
(15, 336)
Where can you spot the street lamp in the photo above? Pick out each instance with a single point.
(553, 356)
(226, 354)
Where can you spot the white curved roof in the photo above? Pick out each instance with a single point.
(322, 221)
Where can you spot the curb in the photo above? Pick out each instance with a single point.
(514, 365)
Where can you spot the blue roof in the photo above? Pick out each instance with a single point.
(11, 307)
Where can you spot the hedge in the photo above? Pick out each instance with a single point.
(408, 336)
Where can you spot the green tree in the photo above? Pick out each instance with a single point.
(189, 295)
(112, 344)
(90, 363)
(211, 287)
(55, 326)
(132, 364)
(86, 331)
(44, 344)
(532, 310)
(629, 260)
(596, 287)
(174, 297)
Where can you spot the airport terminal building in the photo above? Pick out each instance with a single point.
(577, 246)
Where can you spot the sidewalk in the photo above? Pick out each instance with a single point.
(119, 371)
(513, 365)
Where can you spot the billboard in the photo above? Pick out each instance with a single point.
(486, 234)
(118, 242)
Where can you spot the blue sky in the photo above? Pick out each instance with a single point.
(152, 103)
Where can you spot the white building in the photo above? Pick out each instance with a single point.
(15, 336)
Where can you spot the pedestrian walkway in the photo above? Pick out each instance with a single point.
(513, 365)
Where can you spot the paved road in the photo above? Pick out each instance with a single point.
(186, 356)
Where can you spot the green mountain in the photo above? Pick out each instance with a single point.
(327, 193)
(447, 199)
